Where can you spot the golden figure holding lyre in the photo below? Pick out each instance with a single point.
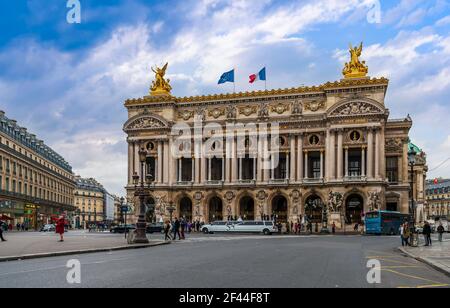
(355, 68)
(160, 86)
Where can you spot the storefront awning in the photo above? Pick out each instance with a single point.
(4, 217)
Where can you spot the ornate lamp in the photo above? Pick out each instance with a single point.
(412, 162)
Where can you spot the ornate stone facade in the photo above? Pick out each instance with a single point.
(336, 141)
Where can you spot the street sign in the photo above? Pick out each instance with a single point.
(125, 209)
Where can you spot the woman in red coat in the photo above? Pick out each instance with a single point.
(60, 228)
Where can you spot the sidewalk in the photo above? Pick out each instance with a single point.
(437, 256)
(29, 245)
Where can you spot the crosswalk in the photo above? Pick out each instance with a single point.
(240, 238)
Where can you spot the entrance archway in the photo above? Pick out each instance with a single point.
(354, 208)
(186, 208)
(313, 209)
(280, 209)
(215, 209)
(247, 208)
(150, 210)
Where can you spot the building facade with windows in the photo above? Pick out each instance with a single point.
(36, 183)
(90, 199)
(438, 198)
(295, 154)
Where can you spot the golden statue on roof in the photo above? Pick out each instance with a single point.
(355, 68)
(160, 86)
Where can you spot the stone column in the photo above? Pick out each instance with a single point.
(203, 165)
(198, 154)
(287, 166)
(160, 162)
(292, 161)
(272, 169)
(321, 164)
(382, 143)
(180, 168)
(332, 157)
(223, 169)
(192, 169)
(306, 164)
(130, 164)
(266, 150)
(327, 152)
(240, 168)
(172, 163)
(166, 154)
(137, 164)
(340, 159)
(209, 168)
(363, 162)
(234, 162)
(346, 162)
(370, 153)
(255, 165)
(259, 173)
(299, 157)
(377, 154)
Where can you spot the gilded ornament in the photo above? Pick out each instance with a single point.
(355, 68)
(160, 86)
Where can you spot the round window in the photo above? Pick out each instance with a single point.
(314, 140)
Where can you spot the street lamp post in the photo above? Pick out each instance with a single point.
(141, 193)
(171, 209)
(412, 209)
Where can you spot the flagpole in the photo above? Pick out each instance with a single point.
(265, 79)
(234, 80)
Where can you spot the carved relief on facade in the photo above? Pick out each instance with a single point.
(248, 110)
(263, 112)
(216, 112)
(145, 123)
(356, 108)
(394, 145)
(279, 108)
(335, 202)
(229, 196)
(230, 112)
(374, 201)
(295, 197)
(314, 105)
(185, 115)
(354, 137)
(297, 108)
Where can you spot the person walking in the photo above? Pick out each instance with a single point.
(427, 234)
(167, 227)
(60, 228)
(440, 230)
(1, 231)
(333, 228)
(176, 229)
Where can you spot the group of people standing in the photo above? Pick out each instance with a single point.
(180, 227)
(405, 233)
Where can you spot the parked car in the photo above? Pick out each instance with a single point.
(155, 227)
(265, 227)
(122, 228)
(48, 228)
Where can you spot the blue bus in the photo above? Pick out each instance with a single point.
(384, 222)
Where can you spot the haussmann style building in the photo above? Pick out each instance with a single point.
(335, 148)
(36, 183)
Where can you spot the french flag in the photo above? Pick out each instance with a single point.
(260, 76)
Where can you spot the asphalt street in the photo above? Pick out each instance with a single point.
(227, 261)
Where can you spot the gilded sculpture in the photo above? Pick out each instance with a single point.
(355, 68)
(160, 86)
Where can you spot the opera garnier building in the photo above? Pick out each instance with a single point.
(286, 154)
(36, 183)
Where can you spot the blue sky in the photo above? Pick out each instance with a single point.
(67, 82)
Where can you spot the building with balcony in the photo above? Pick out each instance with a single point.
(438, 198)
(36, 183)
(290, 154)
(90, 200)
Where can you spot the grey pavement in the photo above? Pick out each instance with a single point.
(36, 244)
(437, 255)
(225, 261)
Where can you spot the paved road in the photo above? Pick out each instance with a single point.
(235, 261)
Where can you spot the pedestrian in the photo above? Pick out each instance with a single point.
(176, 229)
(60, 228)
(167, 228)
(18, 227)
(333, 228)
(427, 234)
(440, 231)
(356, 228)
(406, 234)
(182, 227)
(1, 231)
(23, 226)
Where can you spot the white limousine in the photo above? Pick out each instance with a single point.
(264, 227)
